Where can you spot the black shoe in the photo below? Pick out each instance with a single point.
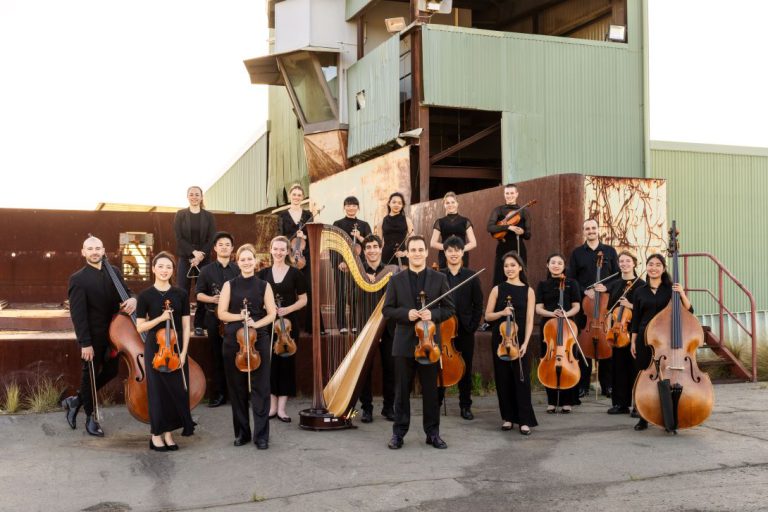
(240, 441)
(284, 419)
(389, 414)
(262, 444)
(641, 425)
(93, 427)
(466, 413)
(199, 331)
(158, 448)
(72, 405)
(172, 447)
(366, 417)
(395, 443)
(219, 400)
(583, 392)
(618, 410)
(436, 442)
(634, 413)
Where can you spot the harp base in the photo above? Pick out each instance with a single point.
(321, 419)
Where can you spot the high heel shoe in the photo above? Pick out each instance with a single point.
(157, 448)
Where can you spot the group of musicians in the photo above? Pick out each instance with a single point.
(237, 294)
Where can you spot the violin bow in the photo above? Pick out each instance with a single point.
(397, 247)
(452, 290)
(575, 337)
(602, 280)
(310, 219)
(624, 294)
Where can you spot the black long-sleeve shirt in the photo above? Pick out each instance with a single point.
(93, 300)
(500, 212)
(212, 278)
(582, 266)
(647, 305)
(348, 225)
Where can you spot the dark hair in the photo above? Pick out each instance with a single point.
(223, 234)
(665, 278)
(164, 254)
(519, 260)
(402, 198)
(353, 200)
(453, 241)
(415, 238)
(511, 185)
(371, 239)
(555, 255)
(591, 219)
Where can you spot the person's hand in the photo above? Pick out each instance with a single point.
(216, 299)
(400, 254)
(183, 357)
(426, 315)
(559, 313)
(301, 234)
(282, 311)
(129, 306)
(523, 348)
(590, 293)
(516, 230)
(343, 266)
(165, 315)
(413, 315)
(86, 353)
(600, 288)
(625, 302)
(632, 350)
(677, 287)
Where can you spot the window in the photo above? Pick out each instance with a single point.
(136, 255)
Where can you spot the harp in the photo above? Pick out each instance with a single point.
(351, 308)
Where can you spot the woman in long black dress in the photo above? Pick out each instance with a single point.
(289, 285)
(288, 223)
(623, 371)
(168, 399)
(513, 383)
(547, 298)
(393, 230)
(648, 301)
(452, 224)
(261, 313)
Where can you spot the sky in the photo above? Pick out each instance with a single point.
(132, 102)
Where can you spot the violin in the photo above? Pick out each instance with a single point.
(558, 367)
(167, 358)
(285, 346)
(355, 244)
(511, 219)
(247, 358)
(673, 392)
(619, 335)
(427, 351)
(298, 245)
(509, 348)
(593, 340)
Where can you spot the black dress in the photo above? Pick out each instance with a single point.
(168, 400)
(283, 369)
(623, 371)
(288, 228)
(452, 224)
(253, 289)
(548, 294)
(513, 389)
(394, 229)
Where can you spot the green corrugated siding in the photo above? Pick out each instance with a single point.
(568, 105)
(717, 201)
(287, 163)
(243, 188)
(355, 6)
(378, 75)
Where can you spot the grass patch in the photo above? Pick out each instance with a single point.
(43, 394)
(256, 498)
(12, 398)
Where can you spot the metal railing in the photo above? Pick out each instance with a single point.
(719, 299)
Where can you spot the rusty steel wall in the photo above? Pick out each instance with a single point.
(47, 243)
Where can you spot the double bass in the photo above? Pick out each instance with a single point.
(130, 345)
(558, 367)
(673, 392)
(593, 340)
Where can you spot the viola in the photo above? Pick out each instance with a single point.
(285, 346)
(673, 392)
(509, 348)
(619, 335)
(453, 365)
(593, 340)
(167, 358)
(298, 245)
(558, 367)
(511, 219)
(247, 358)
(426, 351)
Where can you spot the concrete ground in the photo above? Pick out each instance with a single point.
(583, 461)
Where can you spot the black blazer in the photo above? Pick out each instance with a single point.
(399, 300)
(93, 300)
(183, 232)
(468, 300)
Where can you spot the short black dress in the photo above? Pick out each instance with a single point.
(168, 400)
(394, 230)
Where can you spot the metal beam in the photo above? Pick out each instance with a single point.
(464, 143)
(484, 173)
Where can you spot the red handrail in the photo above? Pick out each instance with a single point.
(721, 269)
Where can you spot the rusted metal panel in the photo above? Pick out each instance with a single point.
(326, 153)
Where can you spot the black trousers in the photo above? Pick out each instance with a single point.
(464, 343)
(104, 367)
(603, 373)
(623, 374)
(185, 284)
(237, 385)
(217, 358)
(405, 367)
(513, 389)
(387, 378)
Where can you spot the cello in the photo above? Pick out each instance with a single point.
(558, 367)
(452, 364)
(127, 341)
(285, 346)
(593, 340)
(673, 392)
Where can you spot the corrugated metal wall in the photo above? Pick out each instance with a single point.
(243, 188)
(569, 105)
(716, 196)
(287, 163)
(376, 77)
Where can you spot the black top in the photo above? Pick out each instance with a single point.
(616, 289)
(582, 266)
(452, 224)
(93, 300)
(288, 228)
(194, 229)
(348, 225)
(150, 304)
(212, 278)
(647, 305)
(183, 227)
(468, 299)
(253, 289)
(394, 229)
(417, 283)
(375, 271)
(519, 295)
(289, 289)
(500, 212)
(548, 293)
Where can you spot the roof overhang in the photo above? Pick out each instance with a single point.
(264, 70)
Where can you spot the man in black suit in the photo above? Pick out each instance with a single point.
(400, 304)
(469, 311)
